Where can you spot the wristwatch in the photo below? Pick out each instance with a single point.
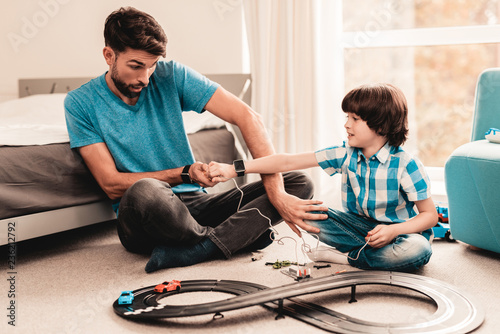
(185, 175)
(239, 167)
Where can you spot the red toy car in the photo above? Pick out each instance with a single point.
(168, 286)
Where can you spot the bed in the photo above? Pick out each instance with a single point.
(45, 186)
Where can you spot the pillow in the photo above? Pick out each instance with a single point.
(39, 120)
(33, 120)
(194, 122)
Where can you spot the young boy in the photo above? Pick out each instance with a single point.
(386, 196)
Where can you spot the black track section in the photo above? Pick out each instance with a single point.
(455, 312)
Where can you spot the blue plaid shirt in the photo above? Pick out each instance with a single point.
(383, 187)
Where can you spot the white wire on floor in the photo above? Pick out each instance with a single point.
(305, 247)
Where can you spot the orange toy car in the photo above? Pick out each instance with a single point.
(168, 286)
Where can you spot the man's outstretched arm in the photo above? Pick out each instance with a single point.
(114, 183)
(291, 208)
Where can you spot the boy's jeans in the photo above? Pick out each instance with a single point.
(346, 232)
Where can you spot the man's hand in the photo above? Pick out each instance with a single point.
(199, 174)
(294, 211)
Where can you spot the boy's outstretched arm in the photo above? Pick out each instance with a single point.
(271, 164)
(277, 163)
(383, 234)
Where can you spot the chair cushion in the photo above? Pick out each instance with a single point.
(472, 177)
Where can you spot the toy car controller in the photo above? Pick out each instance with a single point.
(493, 135)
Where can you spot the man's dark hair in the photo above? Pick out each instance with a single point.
(384, 109)
(131, 28)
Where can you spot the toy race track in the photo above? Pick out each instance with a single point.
(455, 313)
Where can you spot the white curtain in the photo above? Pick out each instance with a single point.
(296, 63)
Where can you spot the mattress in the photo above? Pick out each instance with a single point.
(46, 177)
(213, 145)
(41, 178)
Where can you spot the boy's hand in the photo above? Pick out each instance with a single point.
(381, 235)
(219, 172)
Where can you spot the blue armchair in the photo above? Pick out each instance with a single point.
(472, 173)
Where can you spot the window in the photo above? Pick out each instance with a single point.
(434, 51)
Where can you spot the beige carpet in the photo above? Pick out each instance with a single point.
(67, 283)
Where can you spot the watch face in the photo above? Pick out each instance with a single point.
(239, 167)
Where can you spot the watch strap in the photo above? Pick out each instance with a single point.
(185, 175)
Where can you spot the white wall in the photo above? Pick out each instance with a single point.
(64, 38)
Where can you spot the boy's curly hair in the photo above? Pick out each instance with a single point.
(384, 109)
(128, 27)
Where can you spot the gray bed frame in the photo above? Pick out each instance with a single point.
(54, 221)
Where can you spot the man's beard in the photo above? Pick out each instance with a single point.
(122, 86)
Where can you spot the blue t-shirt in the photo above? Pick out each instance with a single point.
(148, 136)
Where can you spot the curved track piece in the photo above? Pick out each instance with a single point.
(455, 312)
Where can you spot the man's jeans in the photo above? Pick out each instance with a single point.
(346, 232)
(150, 214)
